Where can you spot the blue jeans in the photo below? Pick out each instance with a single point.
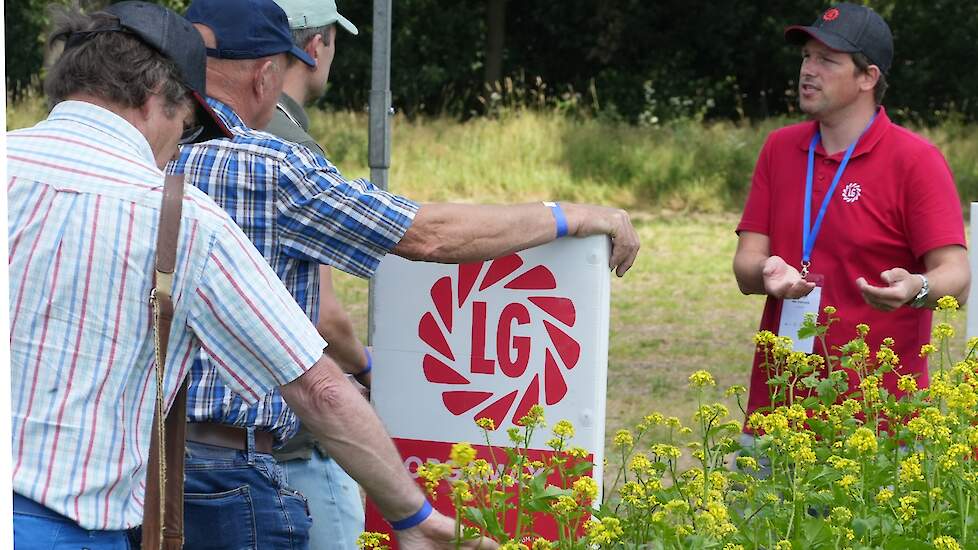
(39, 528)
(239, 499)
(334, 501)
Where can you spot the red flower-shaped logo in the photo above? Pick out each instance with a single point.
(442, 365)
(831, 14)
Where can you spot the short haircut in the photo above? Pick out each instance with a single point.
(862, 63)
(301, 37)
(115, 66)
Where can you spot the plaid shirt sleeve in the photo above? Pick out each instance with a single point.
(325, 218)
(248, 323)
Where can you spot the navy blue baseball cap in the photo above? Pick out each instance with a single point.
(849, 28)
(246, 29)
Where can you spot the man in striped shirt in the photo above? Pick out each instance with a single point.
(84, 194)
(301, 212)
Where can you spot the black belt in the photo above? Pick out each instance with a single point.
(231, 437)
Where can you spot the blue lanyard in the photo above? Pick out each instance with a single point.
(809, 230)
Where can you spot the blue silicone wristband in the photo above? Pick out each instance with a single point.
(370, 363)
(415, 519)
(559, 217)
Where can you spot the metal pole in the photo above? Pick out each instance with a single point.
(379, 144)
(379, 150)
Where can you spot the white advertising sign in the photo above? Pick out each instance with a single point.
(453, 343)
(972, 327)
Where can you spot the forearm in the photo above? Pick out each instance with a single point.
(336, 327)
(344, 346)
(345, 424)
(460, 233)
(748, 268)
(949, 279)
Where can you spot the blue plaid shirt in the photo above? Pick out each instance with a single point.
(300, 212)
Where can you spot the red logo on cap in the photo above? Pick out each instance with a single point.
(831, 14)
(442, 365)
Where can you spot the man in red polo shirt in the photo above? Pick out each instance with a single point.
(849, 209)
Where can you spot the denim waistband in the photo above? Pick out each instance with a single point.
(24, 505)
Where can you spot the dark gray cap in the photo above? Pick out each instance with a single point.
(849, 28)
(178, 40)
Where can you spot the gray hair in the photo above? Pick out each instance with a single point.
(112, 65)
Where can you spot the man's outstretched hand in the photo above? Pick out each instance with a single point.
(784, 281)
(902, 286)
(438, 533)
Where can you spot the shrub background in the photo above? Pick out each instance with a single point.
(633, 60)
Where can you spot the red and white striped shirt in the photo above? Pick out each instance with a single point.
(84, 198)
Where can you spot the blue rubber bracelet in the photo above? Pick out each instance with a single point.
(414, 519)
(559, 217)
(370, 363)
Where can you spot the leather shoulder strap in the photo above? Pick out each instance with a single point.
(163, 513)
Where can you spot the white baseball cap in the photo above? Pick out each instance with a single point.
(304, 14)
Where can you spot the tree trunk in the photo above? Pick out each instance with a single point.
(495, 35)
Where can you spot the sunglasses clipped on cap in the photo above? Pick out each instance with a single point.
(190, 134)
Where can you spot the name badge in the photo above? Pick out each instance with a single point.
(793, 315)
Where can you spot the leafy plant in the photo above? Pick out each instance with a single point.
(830, 467)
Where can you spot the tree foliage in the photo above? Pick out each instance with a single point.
(631, 59)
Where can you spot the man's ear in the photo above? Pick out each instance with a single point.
(870, 77)
(312, 48)
(262, 76)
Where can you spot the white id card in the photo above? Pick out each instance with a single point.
(793, 315)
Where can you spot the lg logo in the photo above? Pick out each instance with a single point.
(497, 347)
(852, 192)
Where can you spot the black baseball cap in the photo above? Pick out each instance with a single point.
(175, 38)
(246, 29)
(849, 28)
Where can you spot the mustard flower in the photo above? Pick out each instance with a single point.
(534, 418)
(623, 439)
(943, 331)
(462, 454)
(735, 390)
(945, 542)
(927, 349)
(373, 541)
(564, 428)
(585, 488)
(604, 531)
(578, 452)
(908, 508)
(947, 303)
(747, 463)
(911, 469)
(863, 441)
(701, 378)
(487, 424)
(907, 383)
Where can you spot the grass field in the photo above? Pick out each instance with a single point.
(678, 310)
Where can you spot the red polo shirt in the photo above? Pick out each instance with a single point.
(895, 202)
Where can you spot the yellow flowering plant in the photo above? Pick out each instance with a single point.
(834, 468)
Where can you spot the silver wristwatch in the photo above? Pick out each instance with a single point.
(920, 300)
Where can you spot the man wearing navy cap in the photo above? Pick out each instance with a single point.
(300, 212)
(850, 210)
(334, 497)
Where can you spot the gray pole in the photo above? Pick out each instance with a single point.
(379, 150)
(379, 144)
